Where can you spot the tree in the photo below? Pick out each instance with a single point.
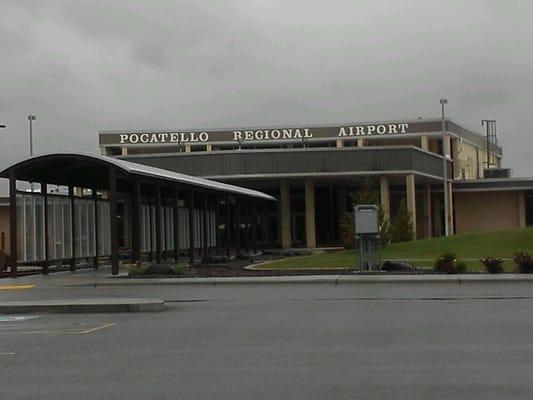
(401, 228)
(365, 194)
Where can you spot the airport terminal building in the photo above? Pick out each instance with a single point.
(313, 172)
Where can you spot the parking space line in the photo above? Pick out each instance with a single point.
(72, 331)
(7, 354)
(98, 328)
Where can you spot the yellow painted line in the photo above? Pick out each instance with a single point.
(16, 287)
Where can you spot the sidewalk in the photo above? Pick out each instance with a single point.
(103, 277)
(312, 279)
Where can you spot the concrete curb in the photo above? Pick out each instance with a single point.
(328, 279)
(82, 306)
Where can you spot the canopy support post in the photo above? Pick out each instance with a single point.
(237, 227)
(206, 230)
(96, 229)
(227, 228)
(176, 226)
(191, 227)
(217, 224)
(158, 224)
(13, 221)
(44, 191)
(113, 220)
(72, 229)
(136, 222)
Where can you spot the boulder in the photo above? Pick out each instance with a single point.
(161, 269)
(396, 266)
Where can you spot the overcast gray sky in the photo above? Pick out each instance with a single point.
(83, 66)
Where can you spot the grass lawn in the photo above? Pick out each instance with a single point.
(422, 253)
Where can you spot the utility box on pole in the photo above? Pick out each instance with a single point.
(367, 234)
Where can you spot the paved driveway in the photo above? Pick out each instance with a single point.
(289, 341)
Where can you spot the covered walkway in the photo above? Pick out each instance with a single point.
(85, 206)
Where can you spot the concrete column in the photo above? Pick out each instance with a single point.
(339, 143)
(124, 150)
(427, 211)
(209, 147)
(360, 142)
(310, 230)
(424, 143)
(411, 199)
(521, 209)
(187, 148)
(384, 191)
(285, 213)
(450, 208)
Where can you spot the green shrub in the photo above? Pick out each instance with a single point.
(366, 193)
(401, 227)
(492, 264)
(179, 269)
(136, 270)
(448, 263)
(460, 267)
(524, 261)
(384, 227)
(346, 230)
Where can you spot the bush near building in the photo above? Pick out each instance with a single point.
(401, 227)
(367, 193)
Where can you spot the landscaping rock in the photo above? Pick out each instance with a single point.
(397, 266)
(161, 269)
(216, 259)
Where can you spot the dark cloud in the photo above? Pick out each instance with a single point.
(81, 66)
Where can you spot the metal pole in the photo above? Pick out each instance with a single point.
(31, 118)
(31, 135)
(444, 101)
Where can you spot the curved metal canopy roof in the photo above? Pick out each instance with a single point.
(69, 168)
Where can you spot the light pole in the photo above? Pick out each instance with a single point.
(444, 101)
(31, 118)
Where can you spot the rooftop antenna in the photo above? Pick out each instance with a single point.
(492, 140)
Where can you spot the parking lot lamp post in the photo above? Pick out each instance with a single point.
(444, 101)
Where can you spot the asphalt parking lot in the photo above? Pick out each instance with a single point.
(290, 341)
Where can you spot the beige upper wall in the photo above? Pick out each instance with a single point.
(468, 160)
(488, 211)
